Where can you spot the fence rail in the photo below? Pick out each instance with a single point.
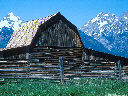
(59, 69)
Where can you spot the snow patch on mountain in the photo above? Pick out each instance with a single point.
(125, 17)
(13, 17)
(94, 20)
(106, 15)
(102, 23)
(11, 21)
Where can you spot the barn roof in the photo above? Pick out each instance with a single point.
(24, 35)
(107, 56)
(28, 32)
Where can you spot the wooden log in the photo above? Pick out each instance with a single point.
(61, 69)
(120, 71)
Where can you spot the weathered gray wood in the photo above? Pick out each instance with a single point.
(91, 68)
(61, 69)
(59, 34)
(27, 55)
(120, 71)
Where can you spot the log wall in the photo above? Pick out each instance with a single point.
(43, 63)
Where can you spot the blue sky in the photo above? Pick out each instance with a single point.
(76, 11)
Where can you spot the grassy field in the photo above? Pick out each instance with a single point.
(81, 87)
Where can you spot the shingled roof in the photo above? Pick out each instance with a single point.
(24, 35)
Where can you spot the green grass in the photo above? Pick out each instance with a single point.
(81, 87)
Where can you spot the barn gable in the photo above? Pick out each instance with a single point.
(58, 34)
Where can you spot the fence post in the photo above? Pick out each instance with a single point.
(119, 68)
(28, 60)
(61, 69)
(27, 53)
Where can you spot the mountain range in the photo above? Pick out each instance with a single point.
(106, 32)
(110, 31)
(9, 24)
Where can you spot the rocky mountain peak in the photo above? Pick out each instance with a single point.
(111, 31)
(11, 21)
(8, 24)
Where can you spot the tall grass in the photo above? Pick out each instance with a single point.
(80, 87)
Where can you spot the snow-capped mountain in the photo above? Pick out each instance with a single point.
(124, 17)
(9, 24)
(91, 43)
(5, 35)
(11, 21)
(111, 31)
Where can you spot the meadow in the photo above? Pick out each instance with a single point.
(73, 87)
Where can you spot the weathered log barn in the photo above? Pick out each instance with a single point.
(52, 32)
(41, 42)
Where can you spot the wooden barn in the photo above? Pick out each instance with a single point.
(51, 48)
(53, 33)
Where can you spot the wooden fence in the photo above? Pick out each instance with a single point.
(61, 70)
(26, 69)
